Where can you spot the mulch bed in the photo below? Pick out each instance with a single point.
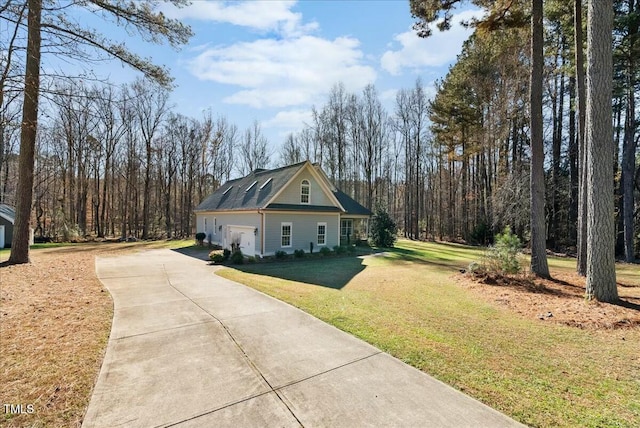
(559, 300)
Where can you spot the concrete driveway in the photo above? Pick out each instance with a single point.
(191, 349)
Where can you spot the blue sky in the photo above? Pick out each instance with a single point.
(271, 60)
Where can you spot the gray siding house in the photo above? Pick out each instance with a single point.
(7, 218)
(282, 209)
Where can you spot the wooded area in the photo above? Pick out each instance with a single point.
(120, 161)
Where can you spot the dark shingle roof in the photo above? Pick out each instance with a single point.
(234, 195)
(256, 189)
(350, 205)
(7, 213)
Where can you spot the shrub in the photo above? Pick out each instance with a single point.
(338, 249)
(237, 258)
(383, 229)
(280, 255)
(351, 249)
(217, 256)
(251, 259)
(502, 257)
(325, 251)
(200, 237)
(226, 253)
(299, 253)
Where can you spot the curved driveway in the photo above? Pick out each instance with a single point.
(191, 349)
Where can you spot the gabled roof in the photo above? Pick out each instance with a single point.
(258, 189)
(233, 195)
(351, 205)
(7, 213)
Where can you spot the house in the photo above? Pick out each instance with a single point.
(7, 219)
(283, 209)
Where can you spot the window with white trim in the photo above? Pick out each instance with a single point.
(346, 228)
(305, 190)
(285, 234)
(322, 233)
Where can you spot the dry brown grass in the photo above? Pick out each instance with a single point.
(55, 322)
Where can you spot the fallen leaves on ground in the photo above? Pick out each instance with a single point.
(558, 300)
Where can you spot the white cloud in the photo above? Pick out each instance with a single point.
(289, 120)
(286, 72)
(389, 95)
(441, 48)
(274, 15)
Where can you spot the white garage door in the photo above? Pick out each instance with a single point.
(244, 235)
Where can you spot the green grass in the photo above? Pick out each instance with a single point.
(407, 303)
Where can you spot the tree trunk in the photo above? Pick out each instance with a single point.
(557, 144)
(629, 145)
(20, 244)
(601, 272)
(573, 164)
(581, 265)
(539, 264)
(146, 201)
(628, 181)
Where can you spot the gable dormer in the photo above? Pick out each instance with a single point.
(307, 187)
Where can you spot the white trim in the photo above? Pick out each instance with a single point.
(308, 195)
(350, 220)
(324, 185)
(282, 225)
(265, 183)
(252, 184)
(321, 223)
(227, 191)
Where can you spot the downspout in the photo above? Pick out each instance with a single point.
(261, 233)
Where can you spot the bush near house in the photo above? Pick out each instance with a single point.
(217, 256)
(325, 251)
(237, 258)
(281, 255)
(299, 253)
(383, 229)
(200, 238)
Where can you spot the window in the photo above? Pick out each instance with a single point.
(227, 191)
(304, 192)
(346, 228)
(322, 233)
(265, 183)
(252, 184)
(285, 237)
(215, 225)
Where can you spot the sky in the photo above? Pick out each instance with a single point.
(272, 61)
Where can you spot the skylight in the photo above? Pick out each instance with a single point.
(265, 183)
(227, 191)
(252, 184)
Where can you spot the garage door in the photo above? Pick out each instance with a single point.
(244, 235)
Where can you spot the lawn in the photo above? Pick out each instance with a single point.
(410, 303)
